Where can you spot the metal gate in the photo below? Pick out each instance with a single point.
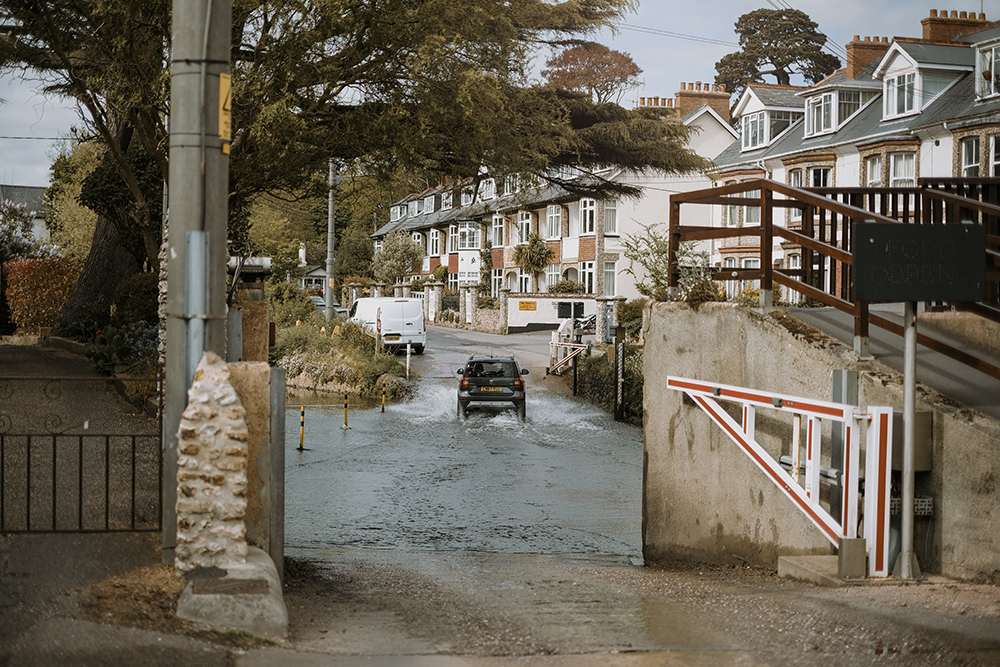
(77, 457)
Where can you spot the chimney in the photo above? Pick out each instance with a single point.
(693, 95)
(942, 27)
(860, 53)
(302, 254)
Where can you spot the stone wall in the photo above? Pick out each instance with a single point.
(212, 472)
(704, 499)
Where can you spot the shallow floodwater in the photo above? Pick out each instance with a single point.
(417, 477)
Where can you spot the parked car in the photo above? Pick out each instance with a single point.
(393, 322)
(491, 383)
(321, 306)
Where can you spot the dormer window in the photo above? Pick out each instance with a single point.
(446, 201)
(429, 204)
(488, 189)
(900, 94)
(466, 196)
(988, 72)
(754, 133)
(819, 114)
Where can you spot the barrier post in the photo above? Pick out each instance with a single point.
(383, 394)
(345, 409)
(302, 427)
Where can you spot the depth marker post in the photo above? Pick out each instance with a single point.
(302, 427)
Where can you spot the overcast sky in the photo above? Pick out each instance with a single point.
(672, 41)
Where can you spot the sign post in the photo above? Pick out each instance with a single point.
(910, 263)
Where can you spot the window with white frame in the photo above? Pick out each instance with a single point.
(496, 283)
(610, 217)
(610, 273)
(588, 216)
(730, 263)
(819, 177)
(587, 276)
(902, 170)
(988, 71)
(396, 212)
(523, 281)
(453, 281)
(753, 130)
(378, 245)
(416, 207)
(417, 238)
(795, 180)
(900, 94)
(732, 212)
(468, 236)
(453, 238)
(779, 121)
(553, 221)
(819, 114)
(848, 102)
(434, 243)
(551, 274)
(750, 263)
(523, 226)
(497, 239)
(994, 155)
(873, 171)
(512, 184)
(970, 157)
(466, 196)
(446, 201)
(488, 189)
(751, 214)
(429, 204)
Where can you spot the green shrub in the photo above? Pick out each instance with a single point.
(597, 382)
(568, 287)
(631, 310)
(38, 288)
(488, 303)
(288, 304)
(130, 349)
(136, 299)
(450, 302)
(379, 365)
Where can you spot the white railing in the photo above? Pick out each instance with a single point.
(803, 490)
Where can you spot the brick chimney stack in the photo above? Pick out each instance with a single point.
(944, 27)
(693, 95)
(860, 53)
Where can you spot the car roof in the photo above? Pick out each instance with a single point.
(497, 357)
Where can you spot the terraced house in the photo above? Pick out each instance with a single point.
(455, 221)
(902, 110)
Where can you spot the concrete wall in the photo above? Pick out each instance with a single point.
(704, 499)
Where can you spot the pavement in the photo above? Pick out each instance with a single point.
(941, 373)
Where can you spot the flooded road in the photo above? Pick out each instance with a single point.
(417, 478)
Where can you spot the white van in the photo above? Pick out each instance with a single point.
(393, 322)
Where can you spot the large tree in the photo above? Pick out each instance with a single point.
(779, 43)
(437, 87)
(602, 73)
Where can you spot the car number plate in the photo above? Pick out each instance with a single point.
(392, 337)
(491, 389)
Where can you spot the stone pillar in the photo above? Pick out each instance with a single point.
(435, 296)
(397, 291)
(354, 289)
(407, 290)
(378, 289)
(463, 295)
(599, 325)
(473, 305)
(212, 472)
(504, 299)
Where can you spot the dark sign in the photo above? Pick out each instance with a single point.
(918, 262)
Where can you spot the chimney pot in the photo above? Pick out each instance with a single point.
(954, 13)
(642, 101)
(722, 87)
(963, 15)
(857, 38)
(933, 13)
(656, 100)
(982, 16)
(698, 85)
(670, 102)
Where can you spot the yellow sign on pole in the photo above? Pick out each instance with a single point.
(527, 305)
(225, 112)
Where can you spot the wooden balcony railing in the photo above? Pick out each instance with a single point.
(823, 232)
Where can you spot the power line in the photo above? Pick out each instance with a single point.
(38, 138)
(678, 35)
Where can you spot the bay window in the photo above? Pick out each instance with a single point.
(588, 215)
(434, 243)
(609, 278)
(497, 240)
(551, 275)
(553, 221)
(587, 276)
(970, 157)
(468, 236)
(523, 226)
(610, 217)
(902, 170)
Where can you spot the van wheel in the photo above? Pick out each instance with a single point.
(418, 349)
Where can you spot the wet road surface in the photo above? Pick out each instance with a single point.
(417, 477)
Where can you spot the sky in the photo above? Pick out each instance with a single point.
(672, 41)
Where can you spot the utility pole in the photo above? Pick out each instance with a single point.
(328, 295)
(199, 185)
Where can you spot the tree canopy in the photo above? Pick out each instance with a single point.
(436, 87)
(776, 42)
(602, 73)
(395, 259)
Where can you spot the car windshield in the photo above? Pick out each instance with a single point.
(492, 369)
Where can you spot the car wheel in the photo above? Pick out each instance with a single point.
(522, 412)
(462, 412)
